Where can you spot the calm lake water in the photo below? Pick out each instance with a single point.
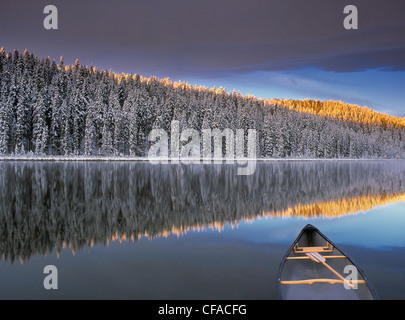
(133, 230)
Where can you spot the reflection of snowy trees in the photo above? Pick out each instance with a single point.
(47, 205)
(53, 109)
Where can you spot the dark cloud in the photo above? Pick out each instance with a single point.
(211, 36)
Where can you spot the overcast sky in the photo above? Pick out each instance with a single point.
(269, 48)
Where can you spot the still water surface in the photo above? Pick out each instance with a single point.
(133, 230)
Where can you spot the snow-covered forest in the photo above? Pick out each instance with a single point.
(48, 108)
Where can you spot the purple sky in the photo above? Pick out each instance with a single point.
(269, 48)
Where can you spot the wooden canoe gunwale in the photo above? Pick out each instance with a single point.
(292, 248)
(311, 281)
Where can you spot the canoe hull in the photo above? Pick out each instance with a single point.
(301, 278)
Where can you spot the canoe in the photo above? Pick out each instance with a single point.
(315, 269)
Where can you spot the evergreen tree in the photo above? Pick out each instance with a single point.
(90, 137)
(40, 127)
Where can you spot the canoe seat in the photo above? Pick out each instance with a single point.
(327, 248)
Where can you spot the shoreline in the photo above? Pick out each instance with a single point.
(177, 160)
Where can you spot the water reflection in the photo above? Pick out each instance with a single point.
(46, 206)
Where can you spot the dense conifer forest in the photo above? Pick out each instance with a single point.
(49, 108)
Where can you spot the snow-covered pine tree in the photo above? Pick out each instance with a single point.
(40, 133)
(90, 137)
(131, 105)
(107, 147)
(66, 124)
(5, 115)
(24, 116)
